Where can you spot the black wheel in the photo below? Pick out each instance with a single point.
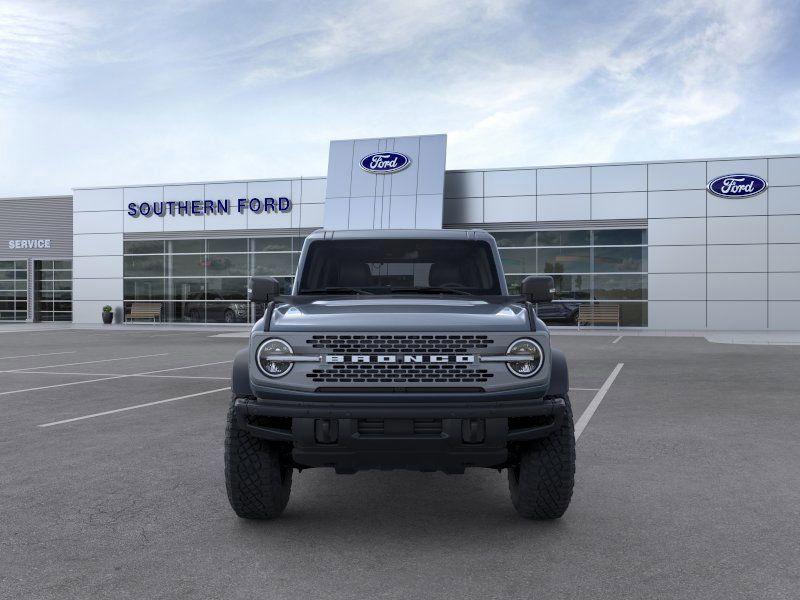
(230, 317)
(257, 481)
(541, 483)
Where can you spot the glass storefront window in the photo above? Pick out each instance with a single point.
(186, 246)
(272, 244)
(143, 266)
(233, 245)
(563, 260)
(620, 237)
(586, 265)
(226, 264)
(620, 260)
(272, 264)
(519, 261)
(143, 247)
(186, 265)
(564, 238)
(620, 287)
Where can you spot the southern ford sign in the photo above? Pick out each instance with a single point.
(385, 163)
(737, 186)
(209, 207)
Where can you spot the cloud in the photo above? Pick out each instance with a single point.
(35, 38)
(347, 33)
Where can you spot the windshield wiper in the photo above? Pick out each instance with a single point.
(337, 290)
(431, 290)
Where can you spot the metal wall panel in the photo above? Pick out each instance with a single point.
(676, 259)
(567, 180)
(394, 196)
(36, 219)
(737, 258)
(676, 203)
(564, 207)
(619, 178)
(619, 205)
(521, 182)
(784, 171)
(676, 176)
(737, 230)
(737, 286)
(784, 200)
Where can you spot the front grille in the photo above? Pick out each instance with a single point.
(399, 344)
(399, 373)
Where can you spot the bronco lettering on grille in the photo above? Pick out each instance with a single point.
(395, 358)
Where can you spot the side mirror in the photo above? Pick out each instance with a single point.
(262, 289)
(538, 288)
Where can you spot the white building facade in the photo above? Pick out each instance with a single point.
(648, 236)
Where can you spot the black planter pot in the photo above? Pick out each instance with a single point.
(108, 317)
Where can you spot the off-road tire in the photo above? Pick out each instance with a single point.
(257, 481)
(541, 483)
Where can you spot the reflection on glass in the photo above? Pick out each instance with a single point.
(187, 265)
(620, 260)
(272, 264)
(620, 287)
(232, 245)
(272, 244)
(143, 266)
(143, 247)
(620, 237)
(519, 261)
(564, 238)
(563, 260)
(515, 238)
(226, 264)
(186, 246)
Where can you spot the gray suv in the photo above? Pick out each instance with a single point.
(400, 349)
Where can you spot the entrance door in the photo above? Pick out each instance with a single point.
(53, 290)
(13, 290)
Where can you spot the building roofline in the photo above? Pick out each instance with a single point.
(55, 197)
(492, 169)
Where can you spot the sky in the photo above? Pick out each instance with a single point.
(111, 93)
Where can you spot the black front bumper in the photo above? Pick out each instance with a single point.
(357, 435)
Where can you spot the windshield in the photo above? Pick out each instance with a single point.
(384, 266)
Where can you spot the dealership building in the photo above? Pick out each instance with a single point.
(682, 244)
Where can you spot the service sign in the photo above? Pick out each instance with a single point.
(385, 163)
(28, 244)
(737, 186)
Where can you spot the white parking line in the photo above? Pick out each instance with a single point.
(134, 407)
(573, 389)
(47, 387)
(113, 374)
(34, 355)
(598, 398)
(616, 340)
(86, 362)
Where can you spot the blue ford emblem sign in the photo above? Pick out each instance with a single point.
(384, 163)
(737, 186)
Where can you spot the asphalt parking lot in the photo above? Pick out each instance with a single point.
(688, 484)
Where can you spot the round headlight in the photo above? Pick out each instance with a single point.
(532, 361)
(273, 368)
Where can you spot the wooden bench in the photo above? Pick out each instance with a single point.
(593, 314)
(144, 310)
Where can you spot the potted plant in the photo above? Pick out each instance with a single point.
(108, 315)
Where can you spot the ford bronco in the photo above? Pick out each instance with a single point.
(400, 349)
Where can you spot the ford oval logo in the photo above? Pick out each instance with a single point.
(737, 186)
(383, 163)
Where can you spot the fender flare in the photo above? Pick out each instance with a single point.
(240, 376)
(559, 375)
